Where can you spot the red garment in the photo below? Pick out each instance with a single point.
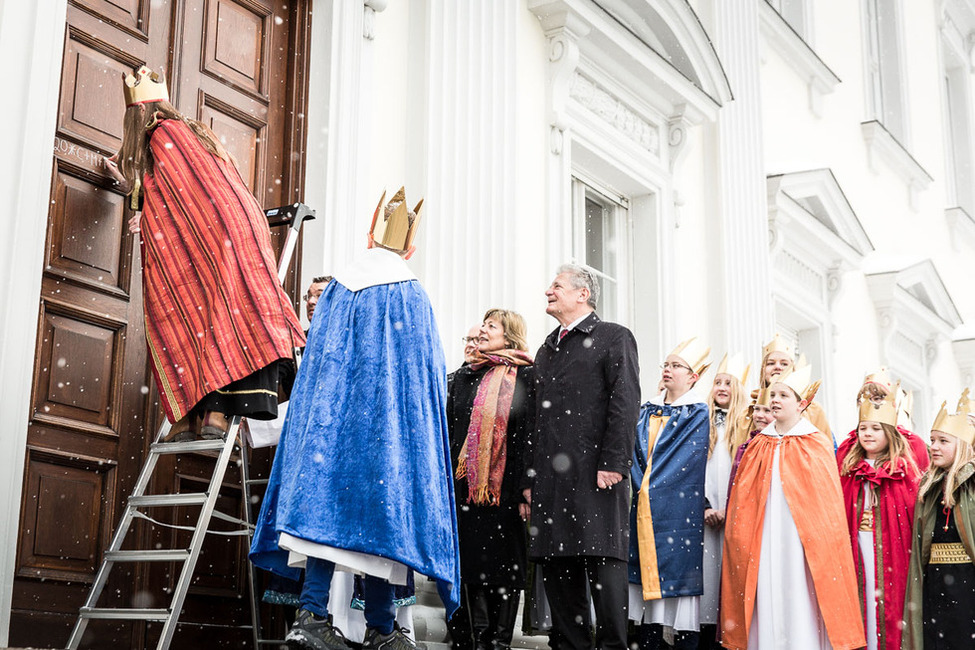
(895, 493)
(812, 490)
(215, 311)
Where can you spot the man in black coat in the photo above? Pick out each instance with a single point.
(588, 402)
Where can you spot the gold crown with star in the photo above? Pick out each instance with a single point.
(799, 379)
(884, 411)
(777, 344)
(694, 353)
(144, 86)
(396, 227)
(734, 365)
(958, 424)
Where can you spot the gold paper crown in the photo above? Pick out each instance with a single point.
(735, 366)
(884, 411)
(397, 227)
(694, 353)
(905, 407)
(760, 397)
(144, 87)
(777, 344)
(881, 377)
(800, 380)
(957, 425)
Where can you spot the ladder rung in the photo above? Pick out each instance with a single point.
(154, 500)
(257, 481)
(125, 613)
(167, 555)
(185, 447)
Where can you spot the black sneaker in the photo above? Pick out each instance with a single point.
(310, 632)
(395, 640)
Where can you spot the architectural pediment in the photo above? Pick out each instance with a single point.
(659, 49)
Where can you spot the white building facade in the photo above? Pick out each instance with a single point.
(730, 168)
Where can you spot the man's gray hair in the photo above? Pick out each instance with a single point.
(582, 276)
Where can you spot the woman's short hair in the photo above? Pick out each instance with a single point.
(515, 329)
(582, 276)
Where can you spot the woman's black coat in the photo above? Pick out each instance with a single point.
(492, 538)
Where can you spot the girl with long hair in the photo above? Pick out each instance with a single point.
(778, 358)
(727, 405)
(880, 474)
(220, 329)
(939, 612)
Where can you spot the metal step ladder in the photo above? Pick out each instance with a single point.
(139, 502)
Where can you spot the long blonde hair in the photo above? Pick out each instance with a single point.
(134, 156)
(736, 427)
(964, 454)
(897, 455)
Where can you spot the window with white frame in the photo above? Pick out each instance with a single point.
(794, 12)
(601, 241)
(883, 53)
(957, 131)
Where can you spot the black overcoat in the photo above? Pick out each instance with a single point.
(493, 544)
(587, 405)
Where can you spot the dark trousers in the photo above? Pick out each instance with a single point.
(378, 595)
(569, 582)
(485, 619)
(652, 638)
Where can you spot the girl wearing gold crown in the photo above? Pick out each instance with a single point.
(777, 357)
(219, 326)
(940, 608)
(880, 473)
(786, 581)
(729, 430)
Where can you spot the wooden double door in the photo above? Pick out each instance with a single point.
(240, 66)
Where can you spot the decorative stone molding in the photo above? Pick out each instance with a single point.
(961, 225)
(811, 219)
(615, 113)
(677, 126)
(369, 10)
(915, 314)
(963, 345)
(819, 78)
(881, 144)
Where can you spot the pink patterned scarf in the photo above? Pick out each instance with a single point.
(485, 452)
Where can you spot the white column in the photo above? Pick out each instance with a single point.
(339, 114)
(32, 35)
(463, 68)
(742, 212)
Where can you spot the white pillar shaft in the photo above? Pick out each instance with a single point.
(32, 34)
(466, 161)
(742, 210)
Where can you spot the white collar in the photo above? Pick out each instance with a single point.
(690, 397)
(574, 323)
(803, 427)
(372, 267)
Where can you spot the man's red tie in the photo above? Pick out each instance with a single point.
(562, 335)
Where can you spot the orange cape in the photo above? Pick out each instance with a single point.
(812, 490)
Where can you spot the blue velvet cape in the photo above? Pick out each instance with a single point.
(676, 494)
(363, 463)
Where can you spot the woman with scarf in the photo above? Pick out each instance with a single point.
(490, 412)
(880, 473)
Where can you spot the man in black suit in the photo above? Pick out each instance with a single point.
(588, 396)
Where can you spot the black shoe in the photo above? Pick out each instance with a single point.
(395, 640)
(310, 632)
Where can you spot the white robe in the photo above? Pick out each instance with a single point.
(786, 615)
(865, 541)
(716, 492)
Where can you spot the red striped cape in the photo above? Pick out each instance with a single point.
(215, 311)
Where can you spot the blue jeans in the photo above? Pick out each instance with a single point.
(378, 595)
